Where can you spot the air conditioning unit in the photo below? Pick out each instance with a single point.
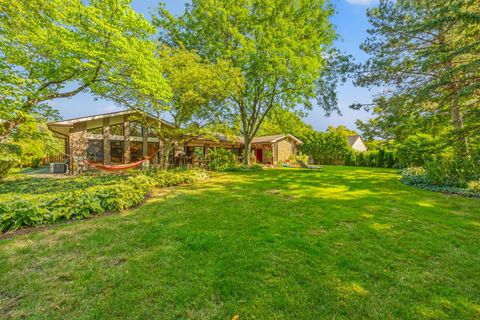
(58, 167)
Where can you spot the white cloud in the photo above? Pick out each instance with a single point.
(361, 2)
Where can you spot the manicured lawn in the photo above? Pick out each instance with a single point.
(279, 244)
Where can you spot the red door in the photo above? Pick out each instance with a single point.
(259, 156)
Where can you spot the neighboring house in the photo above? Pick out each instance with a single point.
(126, 136)
(357, 143)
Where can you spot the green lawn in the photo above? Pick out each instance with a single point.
(346, 243)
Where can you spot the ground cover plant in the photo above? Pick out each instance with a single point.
(28, 202)
(345, 243)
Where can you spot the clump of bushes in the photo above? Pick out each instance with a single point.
(9, 156)
(413, 176)
(438, 180)
(474, 186)
(220, 159)
(244, 168)
(74, 205)
(374, 158)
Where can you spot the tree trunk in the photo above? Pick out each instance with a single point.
(246, 150)
(458, 125)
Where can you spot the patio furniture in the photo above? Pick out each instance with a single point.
(310, 167)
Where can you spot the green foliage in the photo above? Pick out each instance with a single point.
(36, 142)
(416, 150)
(53, 49)
(474, 186)
(285, 122)
(326, 148)
(219, 159)
(426, 53)
(9, 156)
(280, 47)
(413, 176)
(449, 171)
(373, 158)
(118, 193)
(245, 168)
(446, 176)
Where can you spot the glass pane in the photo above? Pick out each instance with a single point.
(95, 130)
(136, 151)
(152, 133)
(153, 148)
(116, 151)
(116, 129)
(136, 129)
(95, 151)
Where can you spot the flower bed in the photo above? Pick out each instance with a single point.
(77, 204)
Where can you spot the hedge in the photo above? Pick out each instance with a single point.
(74, 205)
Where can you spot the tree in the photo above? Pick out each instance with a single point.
(426, 53)
(326, 147)
(281, 121)
(198, 89)
(280, 46)
(342, 131)
(53, 49)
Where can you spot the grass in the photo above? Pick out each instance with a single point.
(346, 243)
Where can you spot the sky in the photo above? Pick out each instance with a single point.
(351, 24)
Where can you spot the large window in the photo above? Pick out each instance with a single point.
(95, 151)
(116, 129)
(116, 151)
(136, 129)
(95, 130)
(136, 150)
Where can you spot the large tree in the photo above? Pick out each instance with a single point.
(426, 54)
(280, 46)
(52, 49)
(198, 90)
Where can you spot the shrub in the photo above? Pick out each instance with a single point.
(416, 150)
(19, 213)
(374, 158)
(9, 156)
(474, 186)
(448, 171)
(219, 159)
(413, 176)
(245, 168)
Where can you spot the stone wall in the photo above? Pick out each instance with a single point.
(78, 143)
(284, 150)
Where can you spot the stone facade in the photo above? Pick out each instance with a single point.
(94, 137)
(285, 150)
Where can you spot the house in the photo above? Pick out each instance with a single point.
(357, 143)
(127, 136)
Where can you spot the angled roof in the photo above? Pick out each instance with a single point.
(275, 138)
(352, 139)
(70, 122)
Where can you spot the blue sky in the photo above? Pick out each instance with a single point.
(351, 24)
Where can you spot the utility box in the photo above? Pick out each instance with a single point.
(58, 167)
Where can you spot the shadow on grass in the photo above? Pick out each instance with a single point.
(275, 244)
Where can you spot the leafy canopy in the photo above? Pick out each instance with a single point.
(57, 48)
(280, 47)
